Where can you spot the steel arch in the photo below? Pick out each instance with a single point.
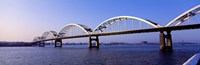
(184, 16)
(52, 33)
(36, 39)
(119, 18)
(85, 28)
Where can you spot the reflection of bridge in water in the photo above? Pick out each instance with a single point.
(122, 25)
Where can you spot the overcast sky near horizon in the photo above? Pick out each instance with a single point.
(22, 20)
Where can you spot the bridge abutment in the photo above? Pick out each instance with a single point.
(96, 39)
(165, 41)
(58, 41)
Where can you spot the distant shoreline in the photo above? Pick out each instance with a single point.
(28, 44)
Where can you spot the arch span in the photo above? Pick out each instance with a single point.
(52, 33)
(85, 28)
(36, 39)
(113, 20)
(185, 16)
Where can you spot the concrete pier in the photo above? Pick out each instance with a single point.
(58, 41)
(41, 44)
(96, 39)
(169, 40)
(162, 40)
(165, 41)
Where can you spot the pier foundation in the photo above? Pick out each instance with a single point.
(58, 43)
(96, 39)
(169, 40)
(165, 41)
(162, 40)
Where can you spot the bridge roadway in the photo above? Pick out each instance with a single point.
(171, 28)
(165, 39)
(165, 31)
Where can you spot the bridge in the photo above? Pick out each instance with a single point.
(122, 25)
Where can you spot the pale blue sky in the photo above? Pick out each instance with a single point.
(22, 20)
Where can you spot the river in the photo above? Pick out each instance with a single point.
(105, 55)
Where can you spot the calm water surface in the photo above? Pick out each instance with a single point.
(105, 55)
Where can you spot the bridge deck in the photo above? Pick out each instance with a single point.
(172, 28)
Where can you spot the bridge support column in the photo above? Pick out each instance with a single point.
(165, 41)
(162, 40)
(58, 41)
(169, 40)
(96, 39)
(41, 44)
